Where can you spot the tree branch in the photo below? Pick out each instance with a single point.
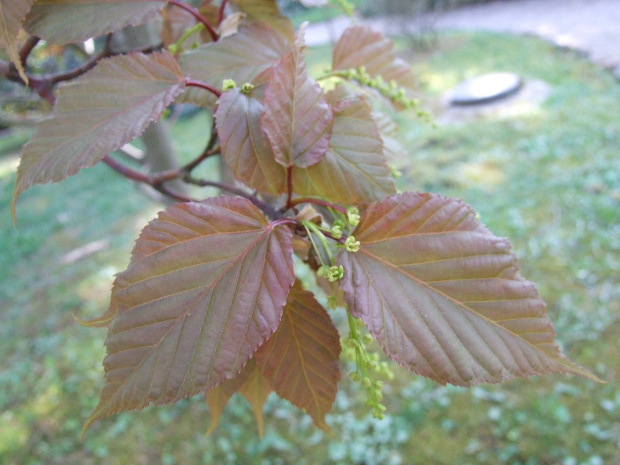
(314, 201)
(196, 14)
(220, 15)
(44, 85)
(289, 183)
(157, 181)
(30, 44)
(210, 150)
(203, 85)
(264, 207)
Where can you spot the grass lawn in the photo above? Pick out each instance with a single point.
(547, 177)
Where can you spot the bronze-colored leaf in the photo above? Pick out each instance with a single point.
(297, 118)
(98, 113)
(206, 289)
(67, 21)
(362, 46)
(240, 57)
(301, 359)
(256, 390)
(245, 147)
(251, 384)
(354, 169)
(443, 295)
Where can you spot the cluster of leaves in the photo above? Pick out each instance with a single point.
(210, 302)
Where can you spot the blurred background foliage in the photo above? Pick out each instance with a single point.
(545, 174)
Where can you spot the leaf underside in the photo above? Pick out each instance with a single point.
(443, 295)
(297, 118)
(362, 46)
(301, 359)
(67, 21)
(354, 169)
(206, 286)
(12, 14)
(240, 57)
(245, 147)
(98, 113)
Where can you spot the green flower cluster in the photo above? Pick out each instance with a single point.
(367, 365)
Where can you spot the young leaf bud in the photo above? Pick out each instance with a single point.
(228, 84)
(247, 88)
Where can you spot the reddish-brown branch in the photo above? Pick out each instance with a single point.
(44, 85)
(220, 15)
(24, 53)
(157, 181)
(203, 85)
(300, 200)
(265, 207)
(84, 67)
(196, 14)
(289, 184)
(210, 150)
(179, 197)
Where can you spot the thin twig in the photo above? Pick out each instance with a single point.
(84, 67)
(210, 150)
(175, 194)
(220, 14)
(266, 208)
(196, 14)
(24, 53)
(289, 183)
(156, 182)
(203, 85)
(324, 203)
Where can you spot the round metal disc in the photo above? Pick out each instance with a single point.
(485, 88)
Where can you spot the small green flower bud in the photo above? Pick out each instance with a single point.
(354, 376)
(353, 215)
(323, 271)
(367, 338)
(366, 382)
(378, 415)
(336, 231)
(379, 384)
(352, 343)
(247, 88)
(228, 84)
(335, 273)
(351, 244)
